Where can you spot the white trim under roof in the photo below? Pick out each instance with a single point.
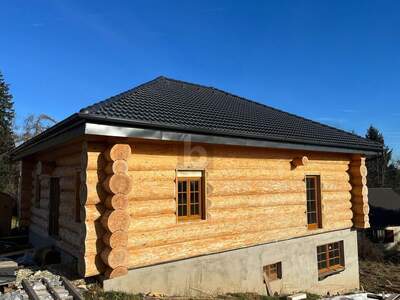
(166, 135)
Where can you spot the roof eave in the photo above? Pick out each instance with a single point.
(63, 131)
(83, 124)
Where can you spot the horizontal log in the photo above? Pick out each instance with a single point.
(67, 222)
(93, 212)
(93, 246)
(336, 196)
(72, 250)
(330, 207)
(118, 152)
(271, 212)
(70, 237)
(152, 222)
(183, 232)
(114, 220)
(93, 265)
(148, 190)
(68, 183)
(152, 175)
(221, 202)
(67, 196)
(92, 177)
(117, 272)
(66, 171)
(117, 257)
(219, 188)
(67, 209)
(337, 224)
(93, 230)
(92, 194)
(117, 239)
(118, 166)
(44, 168)
(151, 207)
(70, 160)
(118, 201)
(93, 161)
(118, 184)
(335, 186)
(339, 215)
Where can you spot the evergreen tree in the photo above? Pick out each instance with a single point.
(7, 115)
(378, 165)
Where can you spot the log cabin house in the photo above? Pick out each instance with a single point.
(185, 189)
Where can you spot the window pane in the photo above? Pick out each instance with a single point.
(310, 195)
(182, 198)
(194, 185)
(311, 218)
(310, 182)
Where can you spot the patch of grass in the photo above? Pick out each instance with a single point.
(249, 296)
(313, 296)
(96, 293)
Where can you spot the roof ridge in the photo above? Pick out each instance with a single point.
(86, 109)
(270, 107)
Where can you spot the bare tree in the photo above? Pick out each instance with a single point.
(34, 125)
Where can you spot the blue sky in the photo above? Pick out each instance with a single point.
(337, 62)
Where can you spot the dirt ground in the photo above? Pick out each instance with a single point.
(380, 276)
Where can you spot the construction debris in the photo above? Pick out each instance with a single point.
(41, 285)
(7, 271)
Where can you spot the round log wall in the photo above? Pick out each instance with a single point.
(116, 218)
(253, 196)
(359, 192)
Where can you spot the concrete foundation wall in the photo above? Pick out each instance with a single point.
(242, 270)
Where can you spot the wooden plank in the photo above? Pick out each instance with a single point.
(51, 289)
(71, 289)
(29, 290)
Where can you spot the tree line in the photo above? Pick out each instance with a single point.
(12, 135)
(383, 171)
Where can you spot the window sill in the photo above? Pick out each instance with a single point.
(326, 274)
(190, 220)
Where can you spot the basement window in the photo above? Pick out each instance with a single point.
(190, 195)
(330, 259)
(273, 272)
(313, 192)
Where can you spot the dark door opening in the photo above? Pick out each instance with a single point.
(54, 206)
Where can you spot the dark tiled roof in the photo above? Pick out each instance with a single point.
(385, 198)
(169, 103)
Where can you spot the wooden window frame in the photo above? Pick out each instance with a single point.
(330, 269)
(273, 271)
(317, 197)
(54, 207)
(202, 208)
